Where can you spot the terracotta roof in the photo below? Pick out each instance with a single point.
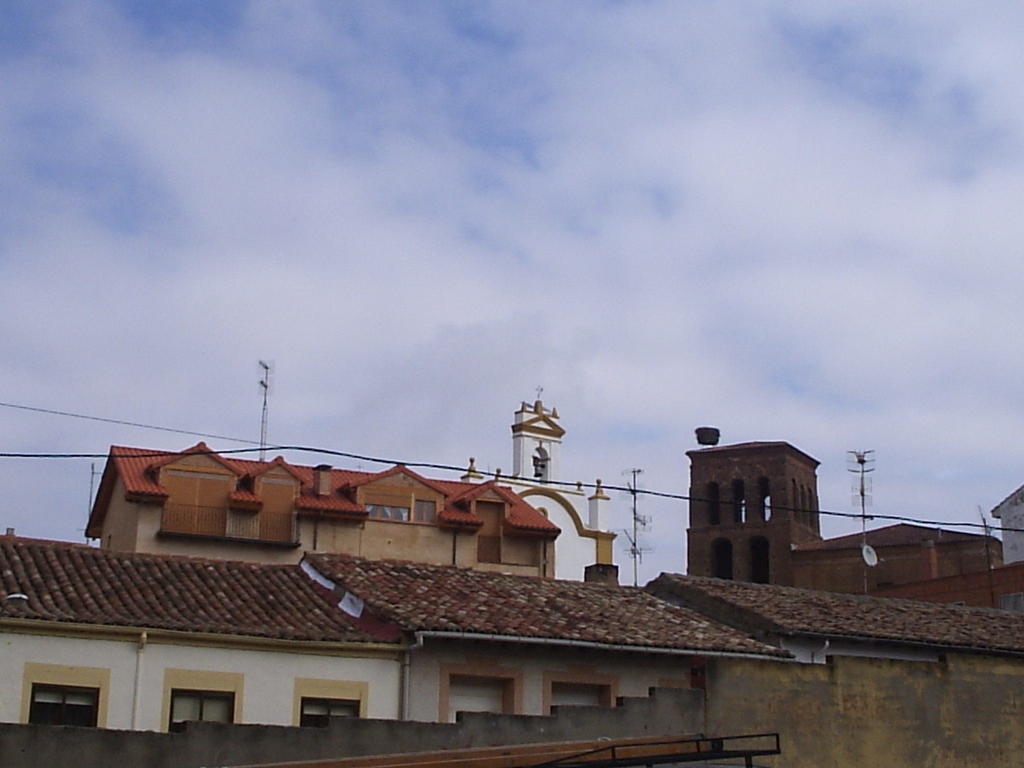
(68, 582)
(138, 469)
(899, 535)
(420, 597)
(793, 611)
(520, 514)
(246, 499)
(753, 446)
(332, 502)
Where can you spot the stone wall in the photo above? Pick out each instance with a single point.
(668, 712)
(849, 713)
(854, 712)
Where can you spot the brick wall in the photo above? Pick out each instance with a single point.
(983, 588)
(843, 570)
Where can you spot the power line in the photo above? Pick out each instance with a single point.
(453, 468)
(416, 464)
(122, 422)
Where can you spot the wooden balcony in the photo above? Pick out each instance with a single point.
(233, 525)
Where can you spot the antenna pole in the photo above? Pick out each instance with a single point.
(863, 463)
(92, 481)
(988, 560)
(635, 552)
(265, 386)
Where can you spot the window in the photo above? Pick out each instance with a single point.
(425, 511)
(481, 686)
(714, 504)
(212, 706)
(64, 705)
(580, 695)
(385, 512)
(721, 559)
(477, 694)
(739, 502)
(541, 461)
(319, 712)
(315, 701)
(488, 540)
(760, 568)
(764, 499)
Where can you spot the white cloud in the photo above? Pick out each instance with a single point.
(797, 227)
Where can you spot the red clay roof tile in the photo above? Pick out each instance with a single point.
(791, 610)
(134, 466)
(421, 597)
(68, 582)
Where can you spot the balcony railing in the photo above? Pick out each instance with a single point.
(221, 522)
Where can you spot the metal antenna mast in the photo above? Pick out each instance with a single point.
(265, 386)
(988, 558)
(862, 463)
(636, 552)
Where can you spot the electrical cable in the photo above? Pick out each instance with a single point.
(416, 464)
(452, 468)
(122, 422)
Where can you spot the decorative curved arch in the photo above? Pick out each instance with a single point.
(560, 500)
(602, 539)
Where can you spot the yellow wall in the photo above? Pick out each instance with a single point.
(859, 712)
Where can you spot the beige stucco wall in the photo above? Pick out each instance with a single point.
(120, 526)
(265, 679)
(397, 540)
(854, 712)
(148, 516)
(135, 527)
(630, 674)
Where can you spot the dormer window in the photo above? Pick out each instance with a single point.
(386, 512)
(401, 508)
(425, 511)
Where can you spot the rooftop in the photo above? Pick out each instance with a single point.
(899, 535)
(419, 597)
(67, 582)
(795, 611)
(757, 445)
(139, 471)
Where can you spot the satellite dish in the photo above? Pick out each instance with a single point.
(869, 555)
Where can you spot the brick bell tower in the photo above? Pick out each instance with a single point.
(750, 503)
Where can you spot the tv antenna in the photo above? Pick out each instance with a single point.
(988, 558)
(640, 523)
(862, 463)
(265, 387)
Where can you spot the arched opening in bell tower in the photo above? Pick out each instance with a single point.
(739, 502)
(721, 559)
(714, 504)
(760, 571)
(541, 462)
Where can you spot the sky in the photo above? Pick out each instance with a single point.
(793, 221)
